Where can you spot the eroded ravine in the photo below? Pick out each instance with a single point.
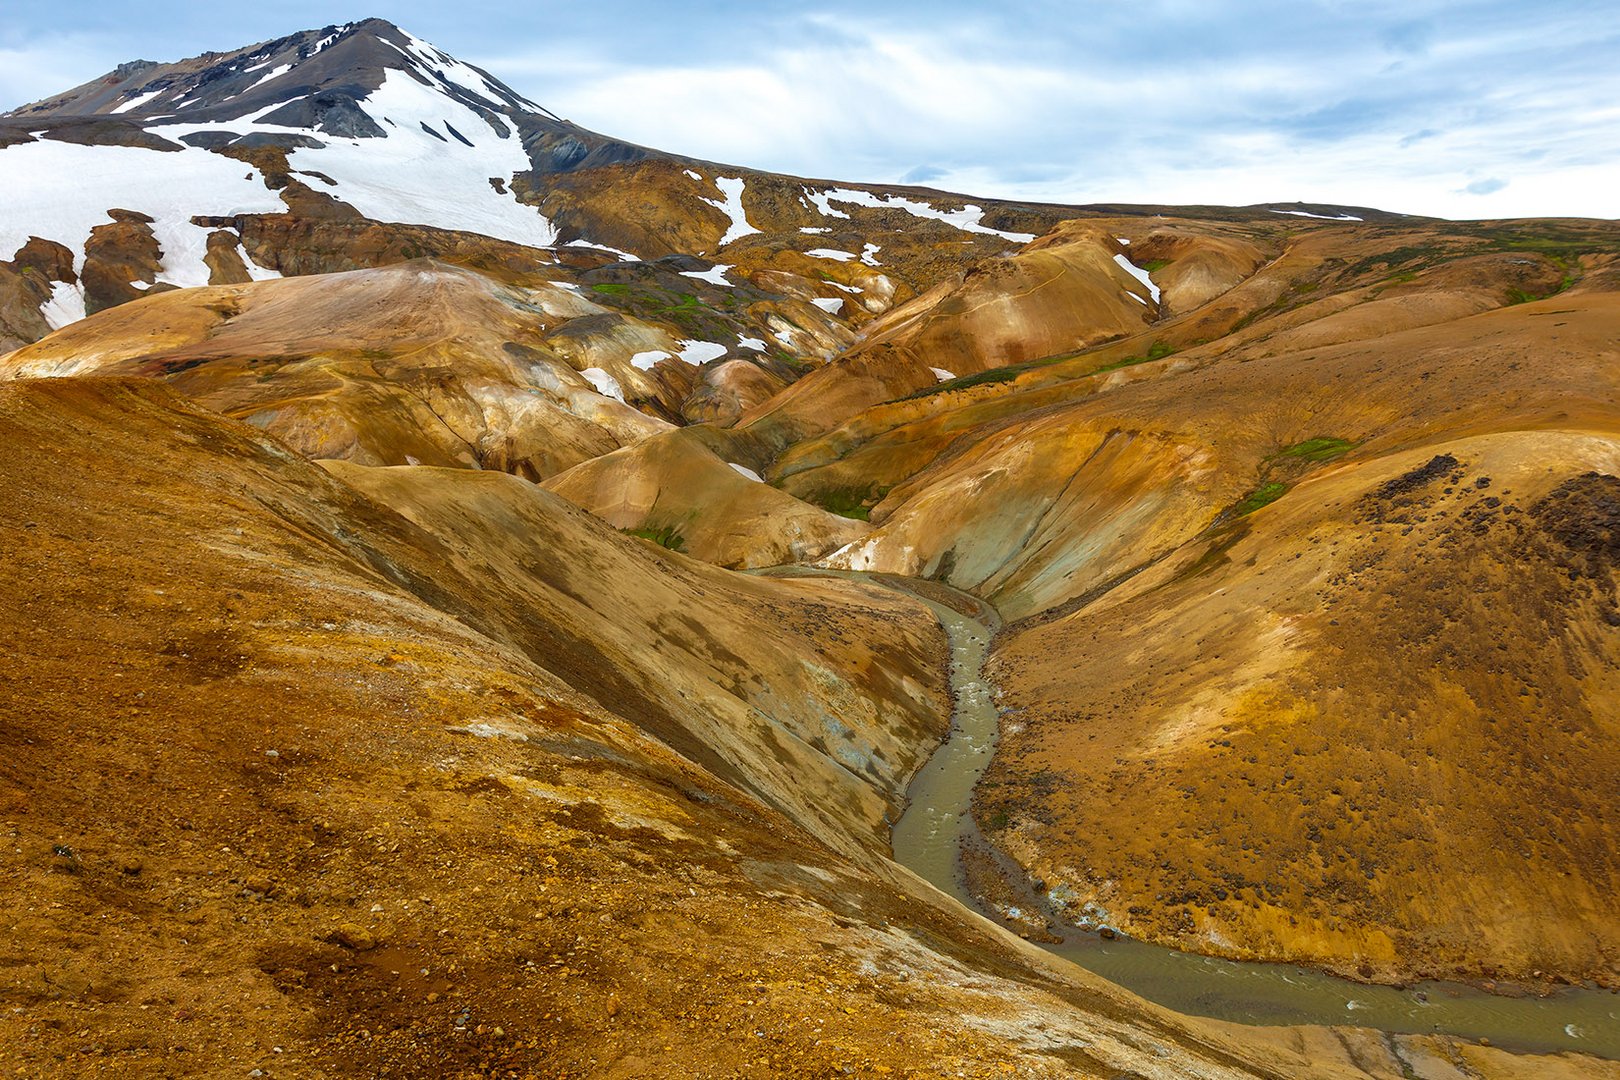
(929, 836)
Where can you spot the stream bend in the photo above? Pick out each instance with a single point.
(929, 836)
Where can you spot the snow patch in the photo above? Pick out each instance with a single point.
(714, 275)
(646, 361)
(452, 70)
(1319, 217)
(814, 230)
(969, 218)
(746, 471)
(869, 255)
(832, 305)
(60, 191)
(605, 384)
(411, 177)
(625, 255)
(941, 374)
(696, 176)
(65, 306)
(698, 353)
(751, 343)
(273, 73)
(732, 189)
(831, 253)
(137, 102)
(1139, 274)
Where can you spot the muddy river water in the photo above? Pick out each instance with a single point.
(928, 840)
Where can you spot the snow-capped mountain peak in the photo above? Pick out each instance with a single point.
(312, 80)
(365, 112)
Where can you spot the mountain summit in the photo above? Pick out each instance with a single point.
(314, 79)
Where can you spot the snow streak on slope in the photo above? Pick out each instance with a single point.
(418, 178)
(714, 275)
(65, 306)
(732, 189)
(60, 191)
(605, 383)
(969, 219)
(1318, 217)
(1139, 274)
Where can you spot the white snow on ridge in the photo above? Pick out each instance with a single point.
(698, 353)
(605, 384)
(273, 73)
(694, 175)
(1318, 217)
(137, 102)
(60, 191)
(1139, 274)
(255, 271)
(831, 253)
(746, 471)
(968, 219)
(625, 255)
(414, 178)
(452, 70)
(732, 206)
(65, 306)
(869, 255)
(714, 275)
(832, 305)
(753, 343)
(941, 374)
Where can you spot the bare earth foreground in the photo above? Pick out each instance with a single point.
(286, 787)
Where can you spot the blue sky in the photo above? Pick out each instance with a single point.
(1475, 108)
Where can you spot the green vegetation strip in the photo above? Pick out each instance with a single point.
(1157, 351)
(1264, 495)
(665, 536)
(1321, 448)
(848, 502)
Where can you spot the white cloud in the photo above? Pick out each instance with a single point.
(1396, 103)
(1132, 119)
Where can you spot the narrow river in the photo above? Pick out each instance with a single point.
(928, 840)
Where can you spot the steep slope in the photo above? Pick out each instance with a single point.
(1373, 728)
(318, 800)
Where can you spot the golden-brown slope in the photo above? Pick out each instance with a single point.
(1372, 726)
(1040, 495)
(674, 484)
(415, 362)
(1063, 292)
(281, 794)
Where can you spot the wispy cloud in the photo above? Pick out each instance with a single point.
(1488, 186)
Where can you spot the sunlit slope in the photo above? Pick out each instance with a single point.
(430, 797)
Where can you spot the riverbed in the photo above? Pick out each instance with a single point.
(929, 836)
